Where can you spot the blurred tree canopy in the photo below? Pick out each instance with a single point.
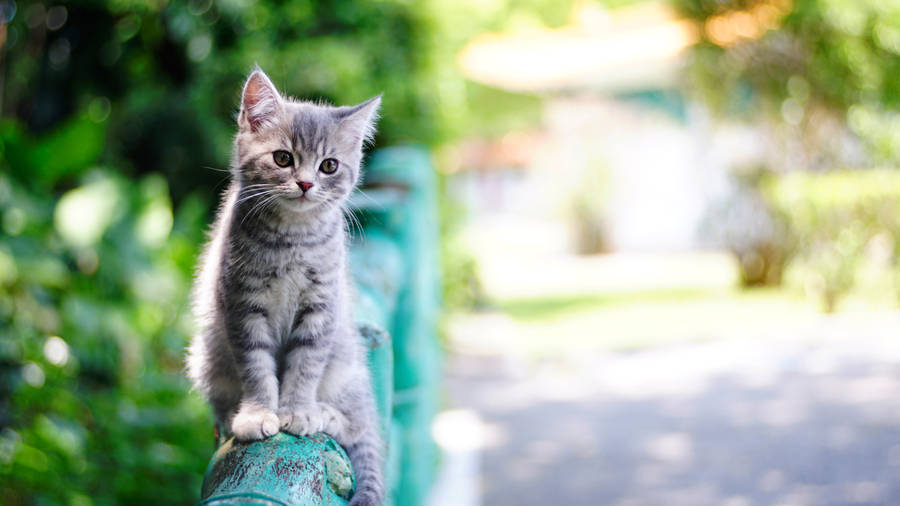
(844, 223)
(157, 83)
(116, 118)
(824, 76)
(816, 66)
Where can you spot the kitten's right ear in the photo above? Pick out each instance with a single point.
(260, 102)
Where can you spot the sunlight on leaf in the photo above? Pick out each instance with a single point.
(83, 214)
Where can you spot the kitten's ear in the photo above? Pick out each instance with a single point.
(260, 102)
(357, 123)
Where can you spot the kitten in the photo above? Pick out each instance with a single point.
(277, 347)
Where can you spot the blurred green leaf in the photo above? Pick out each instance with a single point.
(67, 151)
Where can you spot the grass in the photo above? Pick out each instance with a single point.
(557, 325)
(622, 302)
(528, 309)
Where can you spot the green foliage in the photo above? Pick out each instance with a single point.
(116, 124)
(38, 160)
(815, 58)
(820, 73)
(116, 129)
(91, 345)
(500, 112)
(117, 118)
(164, 77)
(840, 221)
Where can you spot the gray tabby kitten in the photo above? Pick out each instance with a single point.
(277, 347)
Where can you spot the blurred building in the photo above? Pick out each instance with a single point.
(623, 161)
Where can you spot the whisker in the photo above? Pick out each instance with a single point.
(260, 205)
(215, 168)
(370, 199)
(255, 191)
(263, 196)
(256, 187)
(353, 222)
(272, 200)
(249, 197)
(255, 207)
(218, 185)
(378, 206)
(245, 198)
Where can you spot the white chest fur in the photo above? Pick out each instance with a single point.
(282, 294)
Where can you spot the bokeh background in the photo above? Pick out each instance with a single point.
(670, 237)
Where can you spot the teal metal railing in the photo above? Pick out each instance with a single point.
(394, 260)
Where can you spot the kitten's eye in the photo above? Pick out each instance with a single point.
(283, 158)
(329, 166)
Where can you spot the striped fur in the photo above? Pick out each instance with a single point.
(277, 348)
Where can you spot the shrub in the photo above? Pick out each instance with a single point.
(756, 234)
(92, 296)
(836, 219)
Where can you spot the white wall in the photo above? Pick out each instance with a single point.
(661, 175)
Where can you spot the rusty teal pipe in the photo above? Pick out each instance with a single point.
(282, 470)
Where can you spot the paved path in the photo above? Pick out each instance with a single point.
(802, 421)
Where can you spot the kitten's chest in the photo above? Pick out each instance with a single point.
(287, 288)
(285, 270)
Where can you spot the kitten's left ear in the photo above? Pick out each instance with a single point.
(357, 123)
(260, 102)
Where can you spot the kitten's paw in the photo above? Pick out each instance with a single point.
(302, 420)
(334, 423)
(252, 423)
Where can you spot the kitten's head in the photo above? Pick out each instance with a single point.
(307, 156)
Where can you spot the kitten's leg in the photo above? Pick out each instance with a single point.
(225, 404)
(306, 355)
(254, 355)
(215, 375)
(299, 411)
(223, 383)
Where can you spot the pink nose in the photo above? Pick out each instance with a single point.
(304, 185)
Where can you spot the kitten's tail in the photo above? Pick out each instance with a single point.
(366, 458)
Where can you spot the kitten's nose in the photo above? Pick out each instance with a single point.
(304, 185)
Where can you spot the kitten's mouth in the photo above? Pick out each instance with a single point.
(301, 201)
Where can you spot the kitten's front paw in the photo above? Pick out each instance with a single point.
(302, 420)
(334, 423)
(252, 423)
